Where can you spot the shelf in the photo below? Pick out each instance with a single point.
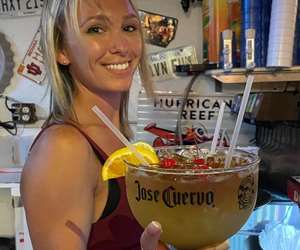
(262, 75)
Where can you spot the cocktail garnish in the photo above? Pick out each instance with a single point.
(199, 161)
(168, 163)
(115, 166)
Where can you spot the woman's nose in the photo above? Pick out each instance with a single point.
(119, 46)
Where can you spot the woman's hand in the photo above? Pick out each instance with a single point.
(151, 235)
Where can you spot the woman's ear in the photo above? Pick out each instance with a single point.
(62, 58)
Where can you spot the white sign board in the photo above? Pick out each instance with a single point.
(33, 66)
(199, 108)
(14, 8)
(162, 64)
(201, 111)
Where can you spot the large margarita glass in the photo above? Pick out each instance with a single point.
(196, 207)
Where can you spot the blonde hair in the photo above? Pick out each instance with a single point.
(56, 14)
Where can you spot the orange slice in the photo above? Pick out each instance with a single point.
(115, 166)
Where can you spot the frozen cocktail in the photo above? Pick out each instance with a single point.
(197, 201)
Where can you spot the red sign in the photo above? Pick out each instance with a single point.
(33, 66)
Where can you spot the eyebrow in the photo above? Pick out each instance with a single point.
(106, 19)
(98, 17)
(130, 16)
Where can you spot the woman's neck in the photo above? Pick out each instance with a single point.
(108, 103)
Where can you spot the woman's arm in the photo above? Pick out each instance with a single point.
(57, 189)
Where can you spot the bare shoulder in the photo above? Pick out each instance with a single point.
(59, 175)
(61, 139)
(63, 149)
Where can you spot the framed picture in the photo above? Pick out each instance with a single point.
(159, 30)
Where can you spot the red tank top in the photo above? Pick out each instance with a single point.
(117, 229)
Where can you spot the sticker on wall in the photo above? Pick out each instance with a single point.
(157, 118)
(15, 8)
(32, 66)
(6, 62)
(158, 29)
(162, 64)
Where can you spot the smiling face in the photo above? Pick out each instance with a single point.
(107, 51)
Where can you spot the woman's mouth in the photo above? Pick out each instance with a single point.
(118, 66)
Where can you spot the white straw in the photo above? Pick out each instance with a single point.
(239, 121)
(118, 134)
(217, 129)
(223, 136)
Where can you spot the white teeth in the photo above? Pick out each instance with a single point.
(118, 66)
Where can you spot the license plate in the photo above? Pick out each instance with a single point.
(20, 7)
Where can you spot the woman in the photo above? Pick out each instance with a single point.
(92, 49)
(91, 61)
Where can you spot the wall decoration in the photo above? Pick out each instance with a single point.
(15, 8)
(158, 30)
(157, 118)
(6, 63)
(162, 64)
(32, 66)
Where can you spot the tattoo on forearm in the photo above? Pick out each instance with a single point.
(75, 229)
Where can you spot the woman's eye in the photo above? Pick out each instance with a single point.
(130, 28)
(95, 29)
